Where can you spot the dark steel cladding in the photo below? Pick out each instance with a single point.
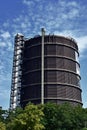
(61, 71)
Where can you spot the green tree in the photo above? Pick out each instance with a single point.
(79, 118)
(50, 120)
(84, 129)
(85, 117)
(2, 126)
(2, 112)
(64, 117)
(11, 115)
(64, 113)
(29, 119)
(49, 116)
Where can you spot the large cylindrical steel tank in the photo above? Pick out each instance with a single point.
(61, 70)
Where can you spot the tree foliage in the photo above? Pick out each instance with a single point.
(64, 117)
(2, 112)
(2, 126)
(29, 119)
(49, 116)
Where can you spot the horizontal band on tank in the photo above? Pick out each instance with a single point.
(31, 71)
(31, 99)
(64, 70)
(62, 84)
(61, 44)
(31, 58)
(62, 57)
(52, 69)
(53, 56)
(52, 83)
(52, 43)
(53, 38)
(64, 99)
(54, 98)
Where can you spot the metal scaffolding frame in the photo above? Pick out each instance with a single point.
(17, 71)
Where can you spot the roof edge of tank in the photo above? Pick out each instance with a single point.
(61, 36)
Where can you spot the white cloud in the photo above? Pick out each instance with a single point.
(82, 43)
(69, 4)
(73, 4)
(5, 35)
(6, 24)
(28, 2)
(53, 16)
(2, 44)
(23, 25)
(73, 13)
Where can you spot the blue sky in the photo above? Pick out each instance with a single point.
(62, 17)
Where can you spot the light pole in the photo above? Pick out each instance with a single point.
(42, 66)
